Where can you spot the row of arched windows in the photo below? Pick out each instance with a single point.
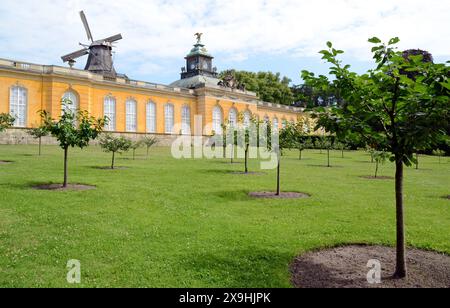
(151, 118)
(19, 102)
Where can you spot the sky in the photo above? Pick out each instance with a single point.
(257, 35)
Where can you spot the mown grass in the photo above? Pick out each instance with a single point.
(190, 223)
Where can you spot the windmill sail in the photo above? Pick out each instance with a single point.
(86, 26)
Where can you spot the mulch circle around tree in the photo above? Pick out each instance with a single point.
(283, 195)
(247, 173)
(59, 187)
(5, 162)
(370, 177)
(347, 267)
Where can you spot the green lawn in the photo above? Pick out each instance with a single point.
(189, 223)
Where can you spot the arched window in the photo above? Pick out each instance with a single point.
(275, 124)
(169, 117)
(232, 117)
(151, 117)
(70, 102)
(217, 120)
(109, 111)
(247, 119)
(18, 105)
(186, 120)
(131, 115)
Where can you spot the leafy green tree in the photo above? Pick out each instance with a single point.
(371, 150)
(134, 146)
(390, 109)
(268, 86)
(380, 157)
(245, 136)
(6, 121)
(286, 141)
(148, 142)
(328, 145)
(111, 144)
(341, 146)
(38, 133)
(72, 130)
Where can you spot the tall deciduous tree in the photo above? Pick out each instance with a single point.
(72, 130)
(400, 106)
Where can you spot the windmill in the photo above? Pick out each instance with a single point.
(100, 60)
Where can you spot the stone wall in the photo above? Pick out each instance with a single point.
(20, 136)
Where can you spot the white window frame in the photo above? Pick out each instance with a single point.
(233, 117)
(131, 115)
(151, 117)
(18, 105)
(185, 120)
(73, 98)
(217, 120)
(276, 124)
(110, 111)
(169, 118)
(247, 119)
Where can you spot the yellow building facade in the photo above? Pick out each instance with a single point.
(133, 107)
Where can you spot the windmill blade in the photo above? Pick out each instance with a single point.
(113, 38)
(75, 55)
(86, 26)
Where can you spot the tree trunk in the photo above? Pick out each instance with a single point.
(400, 271)
(342, 153)
(134, 154)
(113, 159)
(40, 145)
(232, 153)
(246, 157)
(278, 175)
(66, 150)
(328, 153)
(376, 170)
(148, 150)
(417, 161)
(300, 155)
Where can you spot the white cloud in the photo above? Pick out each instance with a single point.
(157, 30)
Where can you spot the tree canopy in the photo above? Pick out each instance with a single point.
(6, 121)
(401, 106)
(270, 87)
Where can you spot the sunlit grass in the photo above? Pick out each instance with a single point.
(190, 223)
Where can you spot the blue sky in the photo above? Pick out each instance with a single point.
(277, 35)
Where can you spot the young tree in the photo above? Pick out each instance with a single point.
(328, 145)
(286, 141)
(380, 157)
(38, 133)
(371, 151)
(6, 121)
(439, 153)
(148, 142)
(400, 106)
(341, 146)
(112, 144)
(72, 130)
(134, 146)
